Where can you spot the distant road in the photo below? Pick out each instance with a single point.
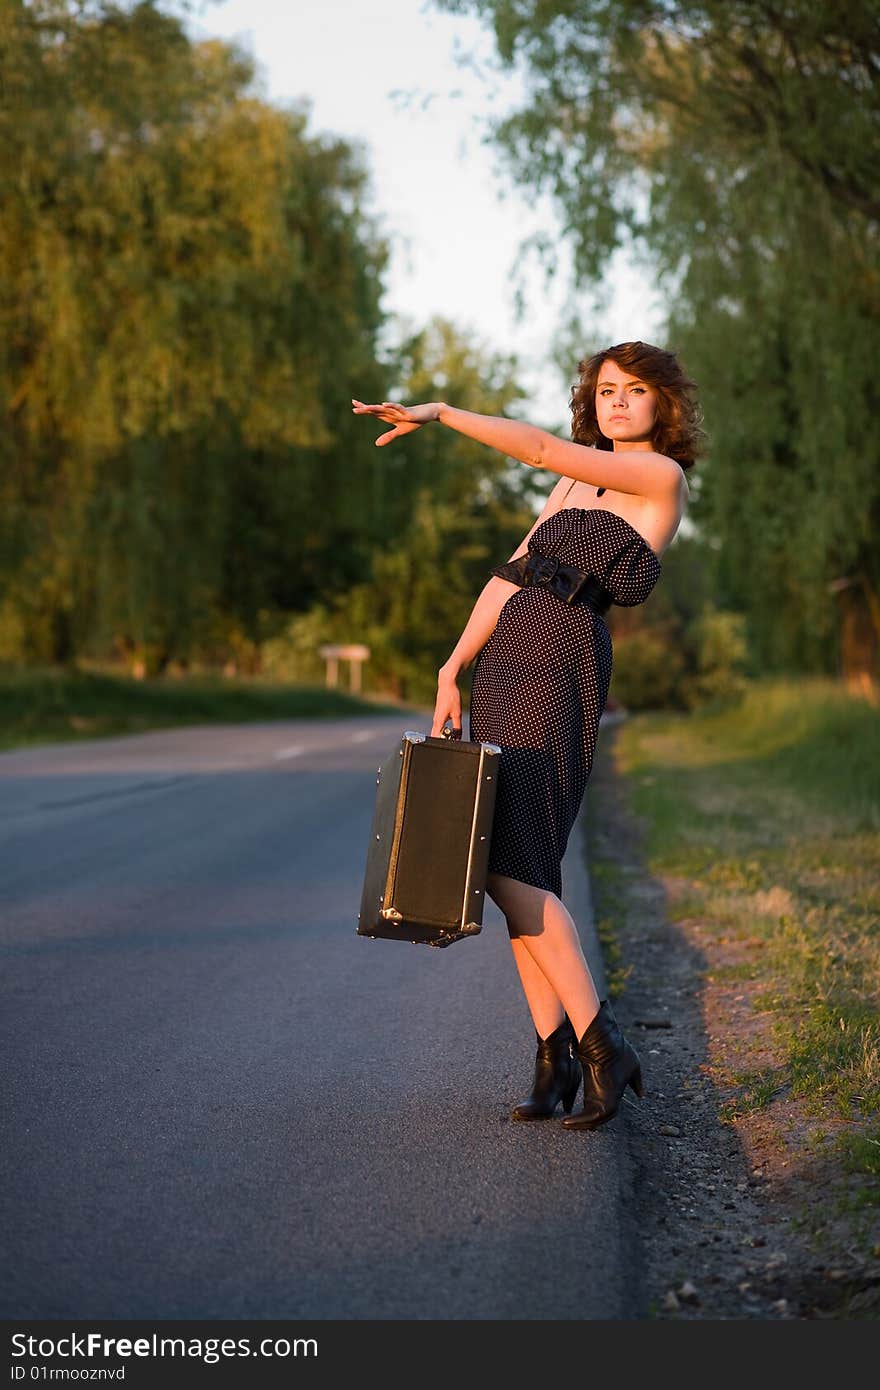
(222, 1103)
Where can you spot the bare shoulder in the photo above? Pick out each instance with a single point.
(657, 515)
(668, 467)
(670, 479)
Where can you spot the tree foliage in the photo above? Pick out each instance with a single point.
(737, 141)
(189, 294)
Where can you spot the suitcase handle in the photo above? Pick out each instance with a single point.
(450, 731)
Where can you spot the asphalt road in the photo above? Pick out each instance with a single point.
(222, 1103)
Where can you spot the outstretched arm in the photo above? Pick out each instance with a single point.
(641, 472)
(512, 437)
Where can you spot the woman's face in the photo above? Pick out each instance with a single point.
(625, 408)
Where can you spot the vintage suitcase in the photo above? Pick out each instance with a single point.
(425, 877)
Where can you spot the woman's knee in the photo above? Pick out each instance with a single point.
(523, 905)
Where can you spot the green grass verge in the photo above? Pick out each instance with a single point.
(770, 814)
(47, 706)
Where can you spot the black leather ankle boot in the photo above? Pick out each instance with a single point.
(610, 1064)
(557, 1076)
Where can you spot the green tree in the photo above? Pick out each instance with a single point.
(735, 141)
(189, 295)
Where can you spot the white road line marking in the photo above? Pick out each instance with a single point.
(292, 752)
(361, 735)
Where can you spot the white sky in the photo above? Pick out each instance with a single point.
(437, 185)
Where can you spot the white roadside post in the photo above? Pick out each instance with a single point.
(354, 653)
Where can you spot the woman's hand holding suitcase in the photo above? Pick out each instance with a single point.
(448, 704)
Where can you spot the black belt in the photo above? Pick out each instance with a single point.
(547, 572)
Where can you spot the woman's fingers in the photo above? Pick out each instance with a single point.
(397, 415)
(375, 409)
(405, 428)
(388, 410)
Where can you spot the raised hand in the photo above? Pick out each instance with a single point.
(404, 418)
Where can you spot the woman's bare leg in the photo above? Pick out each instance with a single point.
(542, 930)
(544, 1003)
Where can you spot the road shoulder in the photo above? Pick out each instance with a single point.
(719, 1217)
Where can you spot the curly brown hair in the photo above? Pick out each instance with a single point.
(677, 432)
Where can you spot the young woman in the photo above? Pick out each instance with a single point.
(543, 666)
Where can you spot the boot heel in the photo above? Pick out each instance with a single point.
(636, 1082)
(570, 1096)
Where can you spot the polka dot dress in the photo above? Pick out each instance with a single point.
(540, 684)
